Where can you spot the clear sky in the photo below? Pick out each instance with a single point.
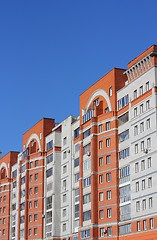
(53, 50)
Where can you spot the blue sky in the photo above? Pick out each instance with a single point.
(52, 51)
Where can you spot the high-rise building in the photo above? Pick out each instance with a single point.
(92, 176)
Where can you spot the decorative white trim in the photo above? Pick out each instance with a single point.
(99, 92)
(5, 166)
(34, 136)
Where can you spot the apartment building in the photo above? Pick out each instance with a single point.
(93, 176)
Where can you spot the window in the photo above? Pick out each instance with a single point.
(100, 128)
(109, 212)
(31, 178)
(23, 168)
(85, 233)
(64, 197)
(87, 198)
(87, 116)
(109, 231)
(147, 104)
(96, 102)
(64, 212)
(30, 191)
(31, 164)
(22, 193)
(49, 158)
(151, 223)
(87, 149)
(101, 232)
(100, 144)
(64, 184)
(64, 168)
(135, 94)
(30, 232)
(77, 195)
(77, 147)
(87, 215)
(142, 146)
(49, 145)
(36, 203)
(3, 231)
(76, 132)
(101, 196)
(141, 108)
(36, 163)
(147, 86)
(141, 127)
(141, 90)
(138, 226)
(137, 186)
(100, 161)
(87, 182)
(36, 190)
(124, 153)
(148, 123)
(49, 202)
(30, 205)
(142, 165)
(14, 184)
(144, 225)
(64, 141)
(49, 172)
(101, 214)
(108, 177)
(135, 112)
(4, 220)
(122, 102)
(30, 218)
(136, 148)
(22, 219)
(49, 186)
(22, 206)
(149, 162)
(136, 130)
(125, 194)
(76, 162)
(123, 119)
(110, 91)
(35, 217)
(108, 159)
(36, 176)
(22, 233)
(87, 133)
(143, 184)
(149, 182)
(87, 164)
(148, 142)
(108, 142)
(35, 231)
(108, 126)
(109, 195)
(64, 155)
(123, 136)
(106, 110)
(144, 204)
(76, 177)
(137, 206)
(100, 179)
(150, 202)
(4, 198)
